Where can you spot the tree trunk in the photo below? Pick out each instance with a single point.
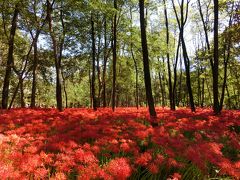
(14, 95)
(104, 65)
(171, 97)
(179, 97)
(175, 75)
(62, 40)
(147, 77)
(136, 78)
(90, 84)
(216, 107)
(34, 81)
(228, 95)
(10, 60)
(181, 23)
(56, 59)
(99, 71)
(114, 57)
(93, 65)
(35, 58)
(135, 66)
(203, 95)
(21, 92)
(227, 47)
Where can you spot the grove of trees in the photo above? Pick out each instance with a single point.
(100, 53)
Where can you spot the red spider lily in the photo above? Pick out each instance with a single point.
(144, 159)
(34, 143)
(119, 168)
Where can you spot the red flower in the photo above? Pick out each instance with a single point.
(153, 168)
(125, 147)
(144, 159)
(119, 168)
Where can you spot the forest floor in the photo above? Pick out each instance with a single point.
(83, 144)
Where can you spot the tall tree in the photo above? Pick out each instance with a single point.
(114, 57)
(171, 94)
(181, 24)
(38, 28)
(105, 58)
(147, 77)
(93, 63)
(216, 107)
(10, 60)
(135, 61)
(56, 56)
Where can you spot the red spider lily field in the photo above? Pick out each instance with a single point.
(86, 144)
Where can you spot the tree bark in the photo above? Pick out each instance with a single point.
(34, 81)
(35, 57)
(227, 48)
(171, 95)
(135, 66)
(104, 65)
(175, 74)
(21, 93)
(56, 59)
(147, 77)
(179, 97)
(114, 57)
(216, 107)
(99, 70)
(10, 60)
(93, 64)
(62, 40)
(181, 23)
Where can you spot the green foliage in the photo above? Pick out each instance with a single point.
(191, 171)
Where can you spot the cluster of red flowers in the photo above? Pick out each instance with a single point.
(44, 143)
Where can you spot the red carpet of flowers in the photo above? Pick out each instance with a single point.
(83, 144)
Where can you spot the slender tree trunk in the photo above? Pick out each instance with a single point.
(114, 57)
(198, 87)
(205, 31)
(99, 71)
(21, 93)
(35, 58)
(93, 64)
(135, 66)
(147, 77)
(161, 87)
(65, 91)
(171, 97)
(164, 82)
(34, 81)
(136, 78)
(62, 40)
(228, 95)
(175, 74)
(227, 47)
(104, 64)
(203, 93)
(216, 107)
(188, 77)
(180, 84)
(10, 60)
(209, 92)
(181, 23)
(14, 95)
(161, 81)
(90, 84)
(56, 59)
(224, 78)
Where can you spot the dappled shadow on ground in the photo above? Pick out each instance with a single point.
(81, 143)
